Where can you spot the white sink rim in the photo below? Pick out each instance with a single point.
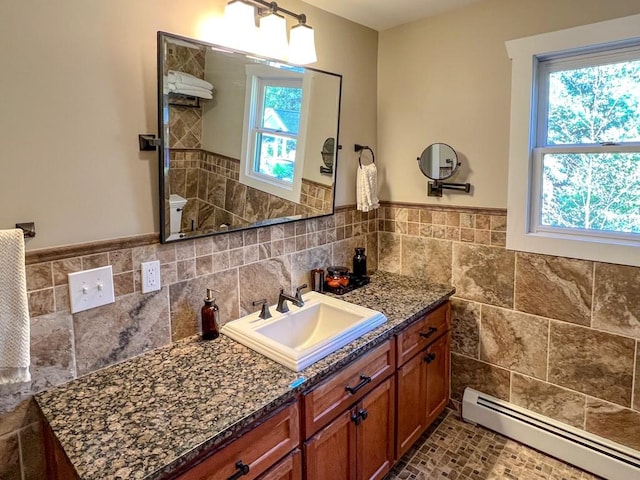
(244, 330)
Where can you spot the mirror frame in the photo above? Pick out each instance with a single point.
(427, 151)
(164, 148)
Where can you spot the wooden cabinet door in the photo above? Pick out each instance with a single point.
(289, 468)
(411, 415)
(375, 432)
(437, 360)
(331, 453)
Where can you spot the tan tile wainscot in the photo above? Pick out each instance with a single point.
(154, 415)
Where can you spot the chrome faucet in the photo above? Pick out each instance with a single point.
(296, 300)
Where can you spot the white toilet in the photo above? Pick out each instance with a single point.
(176, 206)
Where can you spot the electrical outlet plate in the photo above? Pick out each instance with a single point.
(150, 276)
(91, 288)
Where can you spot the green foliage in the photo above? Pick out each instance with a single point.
(595, 191)
(592, 191)
(283, 98)
(283, 171)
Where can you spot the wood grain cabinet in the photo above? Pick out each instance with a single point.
(255, 452)
(358, 444)
(289, 468)
(423, 377)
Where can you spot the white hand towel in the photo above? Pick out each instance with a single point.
(194, 92)
(186, 86)
(14, 309)
(367, 188)
(175, 76)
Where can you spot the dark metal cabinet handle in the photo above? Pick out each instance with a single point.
(363, 381)
(355, 418)
(430, 358)
(363, 414)
(358, 417)
(242, 470)
(431, 331)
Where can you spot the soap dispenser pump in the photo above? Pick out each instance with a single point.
(210, 317)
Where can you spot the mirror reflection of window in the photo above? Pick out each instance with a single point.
(276, 118)
(280, 103)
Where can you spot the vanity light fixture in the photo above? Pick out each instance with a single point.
(302, 46)
(273, 35)
(239, 26)
(270, 38)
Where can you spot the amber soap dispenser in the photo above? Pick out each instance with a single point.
(210, 317)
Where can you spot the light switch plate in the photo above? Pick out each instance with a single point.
(91, 288)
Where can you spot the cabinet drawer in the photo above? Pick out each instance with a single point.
(289, 468)
(420, 334)
(347, 386)
(258, 449)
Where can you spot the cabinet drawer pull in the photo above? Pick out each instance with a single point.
(431, 331)
(242, 470)
(363, 381)
(355, 418)
(430, 358)
(359, 416)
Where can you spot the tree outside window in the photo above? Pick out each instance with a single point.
(590, 165)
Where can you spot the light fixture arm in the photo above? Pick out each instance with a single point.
(275, 8)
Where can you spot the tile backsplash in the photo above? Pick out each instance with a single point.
(555, 335)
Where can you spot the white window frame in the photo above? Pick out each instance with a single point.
(524, 160)
(257, 76)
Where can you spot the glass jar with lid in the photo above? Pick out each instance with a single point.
(337, 277)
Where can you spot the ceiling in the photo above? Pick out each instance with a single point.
(383, 14)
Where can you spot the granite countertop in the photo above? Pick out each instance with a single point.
(147, 416)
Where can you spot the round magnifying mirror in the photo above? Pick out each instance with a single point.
(438, 161)
(328, 149)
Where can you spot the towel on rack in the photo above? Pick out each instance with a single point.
(367, 188)
(14, 309)
(188, 79)
(184, 87)
(194, 92)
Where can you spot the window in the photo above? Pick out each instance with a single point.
(273, 138)
(587, 158)
(574, 174)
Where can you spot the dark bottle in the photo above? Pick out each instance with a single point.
(359, 263)
(210, 317)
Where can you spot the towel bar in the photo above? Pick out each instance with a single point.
(360, 148)
(29, 229)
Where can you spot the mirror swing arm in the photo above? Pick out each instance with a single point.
(434, 189)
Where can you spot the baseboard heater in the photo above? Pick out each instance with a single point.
(589, 452)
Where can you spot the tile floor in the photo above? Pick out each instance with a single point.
(456, 450)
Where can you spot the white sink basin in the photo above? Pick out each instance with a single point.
(302, 336)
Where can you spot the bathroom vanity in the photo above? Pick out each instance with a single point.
(218, 410)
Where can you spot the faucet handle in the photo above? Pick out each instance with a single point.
(264, 311)
(304, 285)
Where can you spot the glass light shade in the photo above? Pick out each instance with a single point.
(273, 36)
(302, 46)
(239, 26)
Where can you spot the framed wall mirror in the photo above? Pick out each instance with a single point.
(242, 139)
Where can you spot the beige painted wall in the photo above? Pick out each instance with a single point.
(79, 85)
(448, 79)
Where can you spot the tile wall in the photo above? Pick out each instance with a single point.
(556, 335)
(243, 266)
(210, 183)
